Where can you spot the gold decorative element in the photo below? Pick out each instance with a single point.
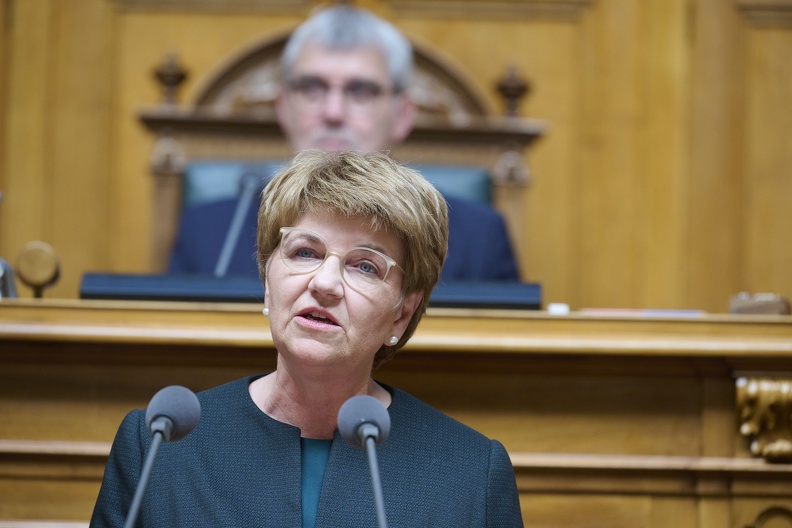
(167, 156)
(764, 407)
(170, 74)
(771, 514)
(512, 87)
(509, 169)
(38, 266)
(433, 98)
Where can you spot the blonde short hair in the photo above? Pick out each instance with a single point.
(393, 197)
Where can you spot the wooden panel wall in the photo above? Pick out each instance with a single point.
(663, 180)
(610, 422)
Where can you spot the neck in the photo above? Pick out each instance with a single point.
(311, 403)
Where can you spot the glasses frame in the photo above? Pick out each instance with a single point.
(300, 84)
(341, 258)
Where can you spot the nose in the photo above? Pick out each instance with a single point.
(334, 105)
(328, 277)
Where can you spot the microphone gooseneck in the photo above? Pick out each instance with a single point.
(171, 415)
(250, 183)
(365, 423)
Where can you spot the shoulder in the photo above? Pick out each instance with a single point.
(424, 424)
(226, 392)
(459, 206)
(429, 452)
(228, 400)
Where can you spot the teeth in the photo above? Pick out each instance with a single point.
(318, 315)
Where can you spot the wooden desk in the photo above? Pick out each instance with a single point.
(610, 421)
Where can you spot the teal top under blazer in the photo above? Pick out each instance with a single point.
(240, 468)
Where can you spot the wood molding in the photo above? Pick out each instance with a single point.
(650, 475)
(42, 524)
(510, 9)
(743, 343)
(535, 472)
(775, 13)
(555, 9)
(47, 448)
(244, 6)
(769, 515)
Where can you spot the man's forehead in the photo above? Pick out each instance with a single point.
(343, 64)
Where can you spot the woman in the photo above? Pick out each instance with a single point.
(350, 247)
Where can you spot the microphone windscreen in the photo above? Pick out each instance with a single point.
(359, 410)
(180, 405)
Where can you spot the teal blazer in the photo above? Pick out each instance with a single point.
(240, 468)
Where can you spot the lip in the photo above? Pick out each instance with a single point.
(331, 321)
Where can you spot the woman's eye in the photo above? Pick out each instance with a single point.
(305, 253)
(366, 267)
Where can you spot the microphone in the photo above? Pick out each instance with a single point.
(250, 183)
(365, 423)
(174, 411)
(7, 288)
(171, 415)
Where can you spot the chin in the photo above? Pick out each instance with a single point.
(317, 356)
(336, 144)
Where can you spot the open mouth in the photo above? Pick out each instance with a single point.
(316, 316)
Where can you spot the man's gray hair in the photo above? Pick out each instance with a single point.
(346, 27)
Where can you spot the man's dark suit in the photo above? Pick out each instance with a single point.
(478, 246)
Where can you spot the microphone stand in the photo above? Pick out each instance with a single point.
(369, 433)
(161, 428)
(250, 184)
(7, 288)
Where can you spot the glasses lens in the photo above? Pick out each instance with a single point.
(312, 90)
(302, 251)
(365, 268)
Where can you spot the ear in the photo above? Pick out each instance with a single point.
(406, 112)
(408, 307)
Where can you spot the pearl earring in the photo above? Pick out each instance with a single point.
(265, 311)
(393, 340)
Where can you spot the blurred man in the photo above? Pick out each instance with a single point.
(345, 75)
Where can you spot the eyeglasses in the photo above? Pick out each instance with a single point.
(358, 93)
(362, 268)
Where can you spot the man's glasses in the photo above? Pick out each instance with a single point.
(314, 91)
(363, 269)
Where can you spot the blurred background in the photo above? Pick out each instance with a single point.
(663, 178)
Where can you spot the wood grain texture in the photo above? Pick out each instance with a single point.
(629, 418)
(660, 182)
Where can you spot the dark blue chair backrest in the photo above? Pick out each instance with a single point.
(211, 180)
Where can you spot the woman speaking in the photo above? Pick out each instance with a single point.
(350, 247)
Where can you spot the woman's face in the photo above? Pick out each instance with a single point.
(316, 318)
